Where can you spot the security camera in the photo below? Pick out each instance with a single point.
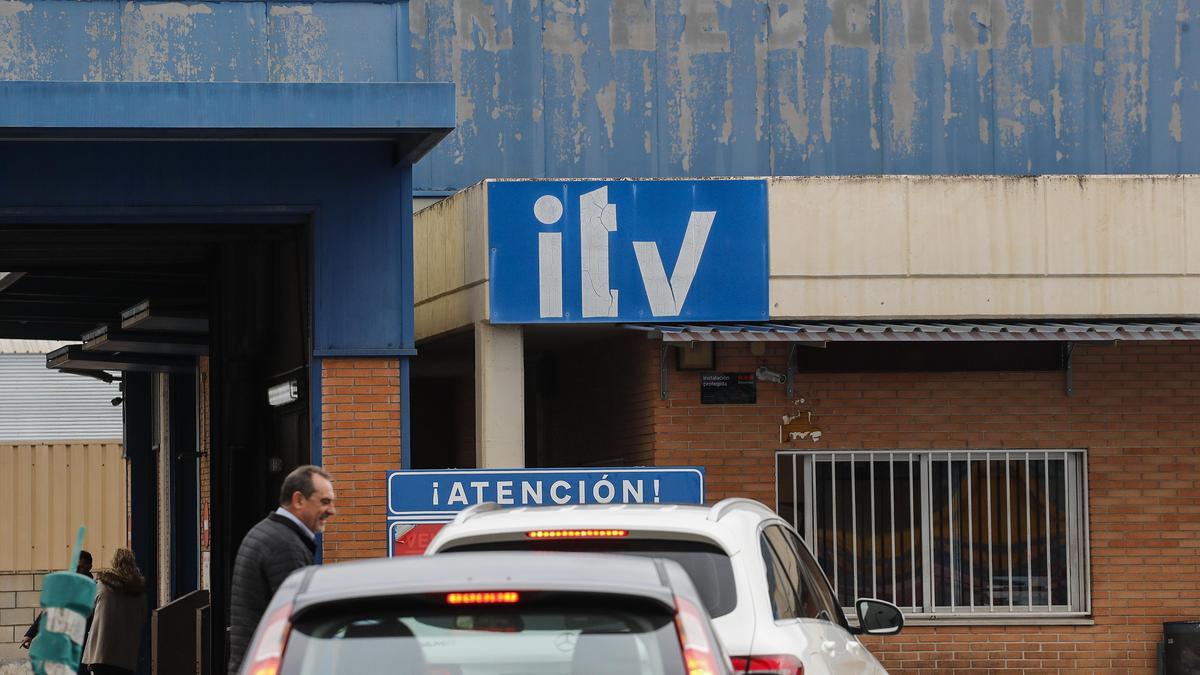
(767, 375)
(117, 401)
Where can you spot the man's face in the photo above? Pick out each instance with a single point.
(313, 511)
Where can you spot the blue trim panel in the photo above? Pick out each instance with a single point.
(185, 487)
(350, 191)
(408, 320)
(311, 111)
(405, 417)
(365, 352)
(143, 530)
(314, 424)
(314, 410)
(629, 88)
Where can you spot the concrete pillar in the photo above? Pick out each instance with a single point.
(499, 396)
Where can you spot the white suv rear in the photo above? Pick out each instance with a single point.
(771, 604)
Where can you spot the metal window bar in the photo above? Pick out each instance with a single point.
(1073, 535)
(1028, 535)
(1071, 485)
(912, 533)
(1008, 517)
(811, 505)
(987, 464)
(796, 498)
(970, 539)
(854, 524)
(892, 530)
(950, 522)
(1084, 563)
(925, 462)
(874, 532)
(1049, 544)
(834, 503)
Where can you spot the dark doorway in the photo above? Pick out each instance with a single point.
(588, 397)
(150, 301)
(443, 402)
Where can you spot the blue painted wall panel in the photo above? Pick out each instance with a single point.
(487, 43)
(333, 42)
(630, 95)
(203, 41)
(358, 296)
(678, 88)
(1187, 90)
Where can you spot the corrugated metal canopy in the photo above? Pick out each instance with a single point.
(951, 331)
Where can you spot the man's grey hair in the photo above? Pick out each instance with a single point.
(300, 480)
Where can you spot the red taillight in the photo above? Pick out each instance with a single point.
(771, 664)
(576, 534)
(700, 651)
(268, 652)
(487, 598)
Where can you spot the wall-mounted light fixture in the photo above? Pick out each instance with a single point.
(695, 356)
(283, 393)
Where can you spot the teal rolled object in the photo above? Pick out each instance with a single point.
(67, 601)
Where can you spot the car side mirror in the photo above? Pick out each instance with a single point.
(878, 617)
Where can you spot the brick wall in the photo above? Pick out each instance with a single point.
(20, 595)
(1135, 408)
(360, 442)
(600, 403)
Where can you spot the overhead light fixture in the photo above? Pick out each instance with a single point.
(283, 393)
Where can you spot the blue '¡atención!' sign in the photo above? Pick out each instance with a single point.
(438, 495)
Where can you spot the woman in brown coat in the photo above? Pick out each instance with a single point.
(112, 646)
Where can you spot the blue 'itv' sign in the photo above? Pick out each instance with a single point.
(628, 251)
(437, 495)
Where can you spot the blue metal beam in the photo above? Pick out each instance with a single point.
(405, 112)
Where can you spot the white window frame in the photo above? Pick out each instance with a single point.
(802, 516)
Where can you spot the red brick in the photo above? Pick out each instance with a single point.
(360, 442)
(1134, 409)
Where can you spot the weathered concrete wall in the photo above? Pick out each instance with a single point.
(912, 246)
(620, 88)
(450, 273)
(200, 41)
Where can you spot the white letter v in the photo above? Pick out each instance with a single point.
(667, 299)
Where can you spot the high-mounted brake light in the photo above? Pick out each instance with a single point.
(699, 645)
(576, 534)
(268, 652)
(768, 664)
(484, 598)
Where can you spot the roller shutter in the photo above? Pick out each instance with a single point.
(38, 404)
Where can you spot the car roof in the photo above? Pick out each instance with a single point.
(699, 521)
(487, 571)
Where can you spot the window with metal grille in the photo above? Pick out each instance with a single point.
(945, 533)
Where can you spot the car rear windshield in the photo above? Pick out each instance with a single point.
(707, 565)
(567, 640)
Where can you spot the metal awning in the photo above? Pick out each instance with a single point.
(903, 331)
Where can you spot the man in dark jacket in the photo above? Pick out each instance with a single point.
(278, 545)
